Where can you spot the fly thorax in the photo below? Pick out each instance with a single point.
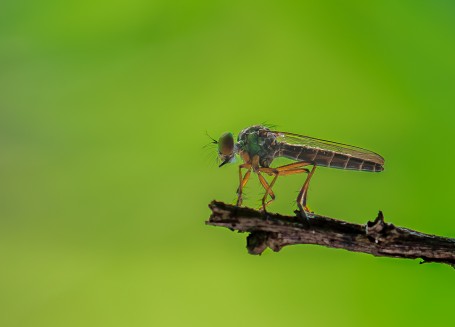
(258, 140)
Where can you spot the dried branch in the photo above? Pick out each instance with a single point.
(377, 237)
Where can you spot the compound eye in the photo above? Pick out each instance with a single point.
(226, 144)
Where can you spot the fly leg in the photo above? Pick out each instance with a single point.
(301, 199)
(267, 188)
(294, 168)
(243, 180)
(271, 171)
(268, 191)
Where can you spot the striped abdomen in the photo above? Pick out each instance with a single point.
(327, 158)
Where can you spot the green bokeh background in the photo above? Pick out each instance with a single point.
(104, 181)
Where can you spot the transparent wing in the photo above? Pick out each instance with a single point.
(315, 143)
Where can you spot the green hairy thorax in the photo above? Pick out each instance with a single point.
(257, 140)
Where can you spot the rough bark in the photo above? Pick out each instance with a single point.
(375, 237)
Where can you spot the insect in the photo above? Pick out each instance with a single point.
(258, 146)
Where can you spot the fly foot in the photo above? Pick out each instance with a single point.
(305, 214)
(264, 212)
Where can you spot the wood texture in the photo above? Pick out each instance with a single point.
(375, 237)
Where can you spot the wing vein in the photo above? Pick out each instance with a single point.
(325, 145)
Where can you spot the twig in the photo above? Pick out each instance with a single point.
(377, 237)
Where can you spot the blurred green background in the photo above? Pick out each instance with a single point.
(105, 181)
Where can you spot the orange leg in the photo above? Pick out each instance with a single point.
(265, 185)
(267, 191)
(273, 171)
(301, 199)
(279, 171)
(243, 180)
(267, 188)
(294, 171)
(282, 173)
